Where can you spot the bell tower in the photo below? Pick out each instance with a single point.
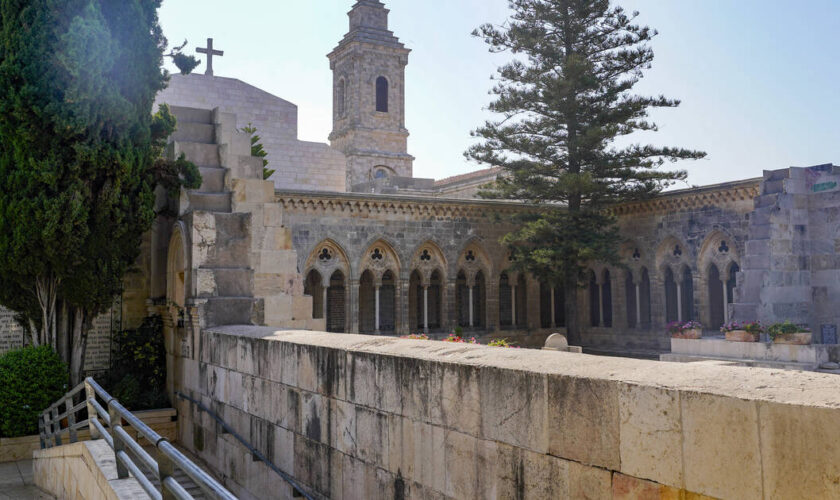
(369, 98)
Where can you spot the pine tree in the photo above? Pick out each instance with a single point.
(80, 156)
(565, 99)
(258, 150)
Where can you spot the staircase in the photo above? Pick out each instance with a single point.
(224, 277)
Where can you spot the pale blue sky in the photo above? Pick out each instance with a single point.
(759, 79)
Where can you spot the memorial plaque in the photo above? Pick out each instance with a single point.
(98, 357)
(829, 334)
(11, 333)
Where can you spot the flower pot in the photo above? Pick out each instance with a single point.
(802, 338)
(741, 336)
(694, 333)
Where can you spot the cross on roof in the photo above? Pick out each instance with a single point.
(210, 53)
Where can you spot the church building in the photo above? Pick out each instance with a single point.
(344, 238)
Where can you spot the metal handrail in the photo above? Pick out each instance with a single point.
(256, 453)
(163, 466)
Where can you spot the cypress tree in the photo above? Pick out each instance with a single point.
(565, 99)
(80, 157)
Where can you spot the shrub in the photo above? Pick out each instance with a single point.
(31, 379)
(753, 327)
(785, 328)
(138, 367)
(502, 343)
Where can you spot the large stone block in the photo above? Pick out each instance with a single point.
(583, 423)
(651, 434)
(454, 397)
(507, 399)
(721, 446)
(799, 451)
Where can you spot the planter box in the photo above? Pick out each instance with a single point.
(688, 334)
(793, 338)
(741, 336)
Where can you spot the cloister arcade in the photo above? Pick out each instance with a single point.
(382, 292)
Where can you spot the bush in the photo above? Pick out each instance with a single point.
(31, 379)
(138, 367)
(785, 328)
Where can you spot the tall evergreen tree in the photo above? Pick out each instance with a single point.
(565, 99)
(80, 156)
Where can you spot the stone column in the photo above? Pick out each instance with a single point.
(679, 301)
(353, 309)
(425, 308)
(601, 304)
(553, 312)
(638, 306)
(725, 303)
(324, 303)
(472, 312)
(376, 324)
(513, 306)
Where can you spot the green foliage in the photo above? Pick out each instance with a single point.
(502, 343)
(185, 64)
(565, 104)
(31, 379)
(786, 328)
(138, 367)
(258, 150)
(80, 150)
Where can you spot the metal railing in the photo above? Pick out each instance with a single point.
(108, 425)
(299, 491)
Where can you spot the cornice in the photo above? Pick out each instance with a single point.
(693, 198)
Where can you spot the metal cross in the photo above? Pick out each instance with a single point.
(210, 53)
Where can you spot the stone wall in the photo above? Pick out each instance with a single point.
(364, 417)
(299, 164)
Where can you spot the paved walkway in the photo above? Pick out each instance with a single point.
(16, 482)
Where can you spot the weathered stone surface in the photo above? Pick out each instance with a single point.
(651, 434)
(721, 457)
(799, 451)
(584, 423)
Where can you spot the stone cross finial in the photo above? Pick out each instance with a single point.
(210, 53)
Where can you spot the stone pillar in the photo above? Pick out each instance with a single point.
(553, 312)
(679, 301)
(353, 309)
(425, 308)
(324, 307)
(638, 306)
(601, 304)
(472, 312)
(725, 302)
(376, 324)
(513, 306)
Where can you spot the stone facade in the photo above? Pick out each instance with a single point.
(298, 164)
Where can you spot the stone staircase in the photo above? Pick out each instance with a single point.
(243, 267)
(225, 277)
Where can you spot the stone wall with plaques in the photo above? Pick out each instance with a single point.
(98, 356)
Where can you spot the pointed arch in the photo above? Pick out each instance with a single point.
(379, 256)
(177, 267)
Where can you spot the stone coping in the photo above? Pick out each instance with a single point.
(814, 354)
(744, 383)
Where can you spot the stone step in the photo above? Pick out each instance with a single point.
(230, 311)
(231, 281)
(201, 154)
(233, 242)
(210, 202)
(195, 132)
(192, 115)
(212, 179)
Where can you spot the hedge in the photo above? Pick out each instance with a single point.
(31, 379)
